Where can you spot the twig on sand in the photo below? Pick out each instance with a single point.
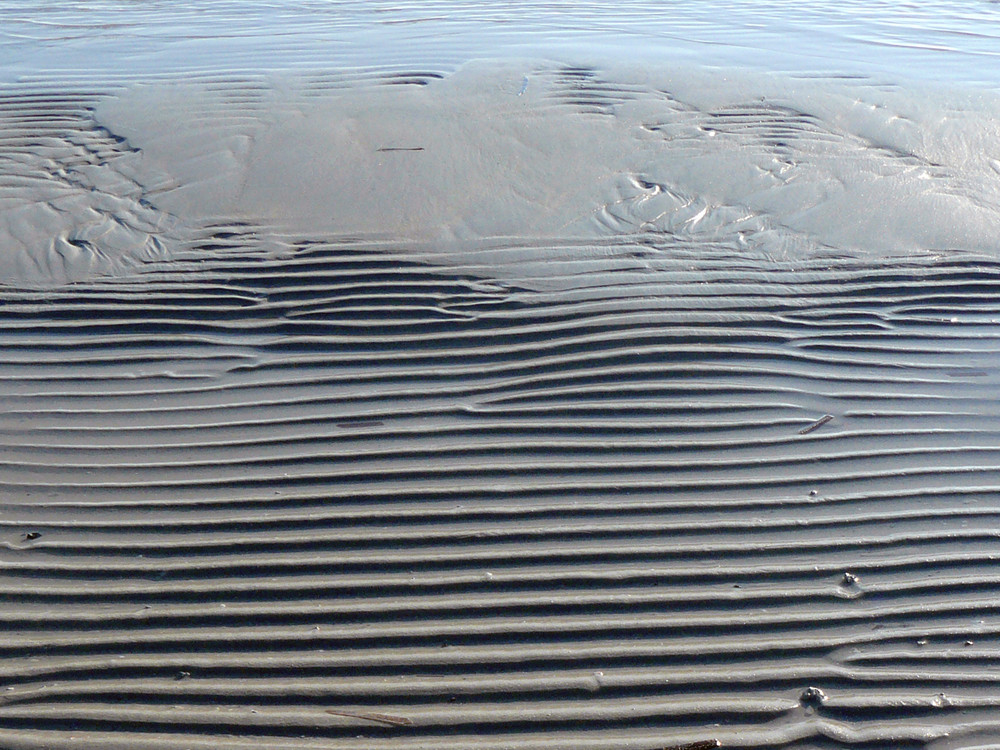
(816, 425)
(396, 721)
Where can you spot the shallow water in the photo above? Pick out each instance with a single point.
(949, 41)
(447, 375)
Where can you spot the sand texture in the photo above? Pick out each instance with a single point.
(518, 406)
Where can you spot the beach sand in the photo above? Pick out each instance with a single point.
(508, 405)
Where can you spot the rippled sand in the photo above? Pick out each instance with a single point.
(503, 404)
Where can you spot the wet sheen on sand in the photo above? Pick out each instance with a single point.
(507, 404)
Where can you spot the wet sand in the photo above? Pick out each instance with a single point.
(513, 405)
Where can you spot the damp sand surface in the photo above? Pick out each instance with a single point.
(498, 403)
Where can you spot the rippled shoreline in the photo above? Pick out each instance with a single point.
(394, 376)
(942, 41)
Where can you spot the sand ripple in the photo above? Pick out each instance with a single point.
(670, 466)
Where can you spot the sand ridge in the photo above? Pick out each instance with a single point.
(249, 498)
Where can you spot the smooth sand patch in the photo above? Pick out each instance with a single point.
(541, 150)
(775, 166)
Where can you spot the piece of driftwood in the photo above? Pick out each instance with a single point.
(816, 425)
